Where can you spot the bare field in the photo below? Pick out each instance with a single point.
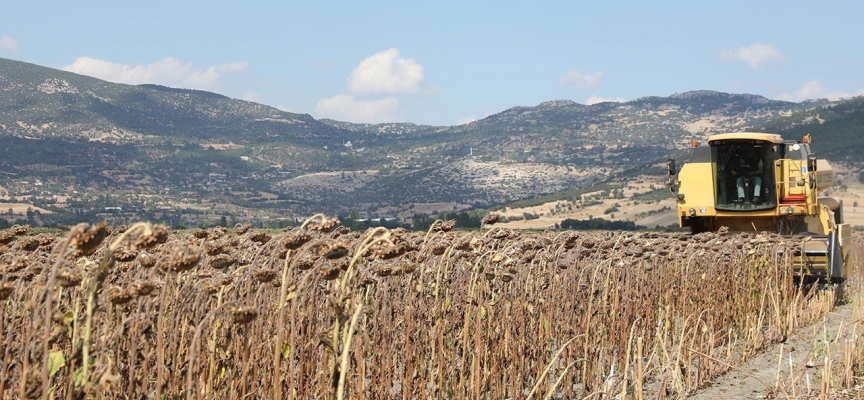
(854, 193)
(341, 180)
(21, 208)
(323, 312)
(645, 213)
(651, 214)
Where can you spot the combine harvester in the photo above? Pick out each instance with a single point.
(750, 182)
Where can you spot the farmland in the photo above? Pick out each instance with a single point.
(319, 311)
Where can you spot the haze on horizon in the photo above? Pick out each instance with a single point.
(449, 62)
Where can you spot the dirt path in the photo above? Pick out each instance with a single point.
(806, 350)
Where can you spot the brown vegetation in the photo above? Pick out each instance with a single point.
(322, 312)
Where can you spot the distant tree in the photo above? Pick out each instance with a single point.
(599, 223)
(421, 222)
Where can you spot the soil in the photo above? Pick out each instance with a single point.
(803, 353)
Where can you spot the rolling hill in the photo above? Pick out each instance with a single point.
(75, 145)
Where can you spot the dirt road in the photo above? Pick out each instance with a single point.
(801, 360)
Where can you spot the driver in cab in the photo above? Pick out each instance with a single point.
(749, 167)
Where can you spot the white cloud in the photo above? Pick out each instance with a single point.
(466, 120)
(386, 72)
(756, 55)
(168, 71)
(814, 90)
(8, 44)
(345, 107)
(578, 80)
(594, 99)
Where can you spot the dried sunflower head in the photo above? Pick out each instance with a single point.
(242, 314)
(324, 226)
(199, 233)
(497, 233)
(216, 232)
(327, 270)
(394, 268)
(84, 238)
(178, 256)
(145, 259)
(125, 253)
(210, 286)
(303, 262)
(438, 248)
(222, 261)
(29, 244)
(118, 295)
(68, 277)
(342, 230)
(387, 251)
(214, 247)
(6, 237)
(444, 226)
(294, 241)
(259, 237)
(19, 230)
(264, 275)
(333, 250)
(6, 289)
(148, 237)
(144, 288)
(15, 265)
(241, 228)
(491, 219)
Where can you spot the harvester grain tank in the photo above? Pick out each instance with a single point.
(750, 182)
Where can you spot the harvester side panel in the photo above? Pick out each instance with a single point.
(696, 186)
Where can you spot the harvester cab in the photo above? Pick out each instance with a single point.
(750, 182)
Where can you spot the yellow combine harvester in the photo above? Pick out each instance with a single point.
(760, 182)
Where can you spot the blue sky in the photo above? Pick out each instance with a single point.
(447, 62)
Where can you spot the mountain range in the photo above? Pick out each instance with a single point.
(155, 151)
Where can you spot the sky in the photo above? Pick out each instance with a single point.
(447, 62)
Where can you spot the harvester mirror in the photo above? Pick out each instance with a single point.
(811, 163)
(670, 167)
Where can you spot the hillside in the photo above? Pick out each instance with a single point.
(40, 102)
(83, 148)
(838, 126)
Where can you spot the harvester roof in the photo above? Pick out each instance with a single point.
(768, 137)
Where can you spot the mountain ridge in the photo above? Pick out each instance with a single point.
(157, 147)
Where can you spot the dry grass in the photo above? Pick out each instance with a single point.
(322, 312)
